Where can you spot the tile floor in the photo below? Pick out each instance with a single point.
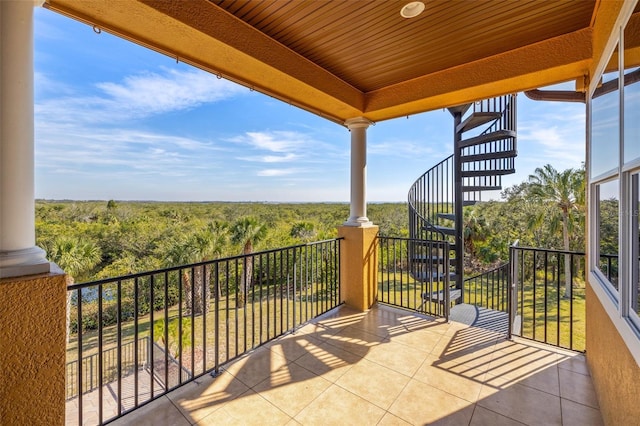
(387, 367)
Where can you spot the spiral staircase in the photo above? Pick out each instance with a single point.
(484, 151)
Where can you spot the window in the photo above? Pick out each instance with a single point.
(632, 114)
(605, 130)
(614, 184)
(608, 212)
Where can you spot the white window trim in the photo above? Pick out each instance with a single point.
(615, 303)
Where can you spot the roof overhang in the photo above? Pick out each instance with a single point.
(228, 44)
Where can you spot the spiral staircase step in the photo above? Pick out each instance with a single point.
(512, 153)
(477, 119)
(487, 137)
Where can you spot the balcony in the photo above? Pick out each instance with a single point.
(266, 341)
(387, 366)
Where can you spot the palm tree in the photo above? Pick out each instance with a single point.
(564, 192)
(76, 259)
(247, 232)
(182, 253)
(304, 231)
(202, 246)
(474, 229)
(207, 245)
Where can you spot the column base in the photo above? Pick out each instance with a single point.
(18, 263)
(362, 222)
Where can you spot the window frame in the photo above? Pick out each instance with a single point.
(618, 304)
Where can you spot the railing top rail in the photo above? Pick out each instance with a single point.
(194, 265)
(537, 249)
(502, 266)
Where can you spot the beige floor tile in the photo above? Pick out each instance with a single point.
(518, 402)
(423, 322)
(318, 331)
(484, 417)
(375, 383)
(337, 406)
(355, 340)
(544, 380)
(575, 363)
(468, 340)
(291, 388)
(574, 414)
(391, 420)
(160, 412)
(203, 396)
(476, 358)
(256, 366)
(424, 340)
(248, 409)
(340, 318)
(465, 385)
(292, 346)
(328, 361)
(578, 388)
(421, 404)
(397, 357)
(537, 367)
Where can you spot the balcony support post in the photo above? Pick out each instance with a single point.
(19, 255)
(32, 291)
(359, 266)
(358, 207)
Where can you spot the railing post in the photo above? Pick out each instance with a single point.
(513, 288)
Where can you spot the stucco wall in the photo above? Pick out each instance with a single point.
(32, 349)
(359, 266)
(616, 376)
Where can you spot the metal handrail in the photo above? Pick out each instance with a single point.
(209, 313)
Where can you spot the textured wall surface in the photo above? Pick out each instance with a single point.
(616, 376)
(32, 349)
(359, 266)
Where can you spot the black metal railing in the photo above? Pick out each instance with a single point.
(413, 274)
(90, 364)
(141, 335)
(548, 296)
(489, 289)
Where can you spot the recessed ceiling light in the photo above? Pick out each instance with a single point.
(411, 10)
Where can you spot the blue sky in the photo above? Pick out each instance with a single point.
(118, 121)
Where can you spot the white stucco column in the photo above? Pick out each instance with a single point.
(358, 211)
(18, 253)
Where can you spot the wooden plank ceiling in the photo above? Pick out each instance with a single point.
(348, 58)
(370, 46)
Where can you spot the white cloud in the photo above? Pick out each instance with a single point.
(152, 93)
(137, 96)
(272, 158)
(277, 141)
(276, 172)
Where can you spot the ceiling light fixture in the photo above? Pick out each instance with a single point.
(411, 10)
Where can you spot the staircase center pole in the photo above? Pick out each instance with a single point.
(458, 204)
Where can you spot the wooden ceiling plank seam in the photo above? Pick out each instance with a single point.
(283, 30)
(409, 53)
(301, 34)
(333, 36)
(498, 38)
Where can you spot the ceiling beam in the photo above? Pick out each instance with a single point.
(552, 61)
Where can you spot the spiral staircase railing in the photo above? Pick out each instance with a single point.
(484, 151)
